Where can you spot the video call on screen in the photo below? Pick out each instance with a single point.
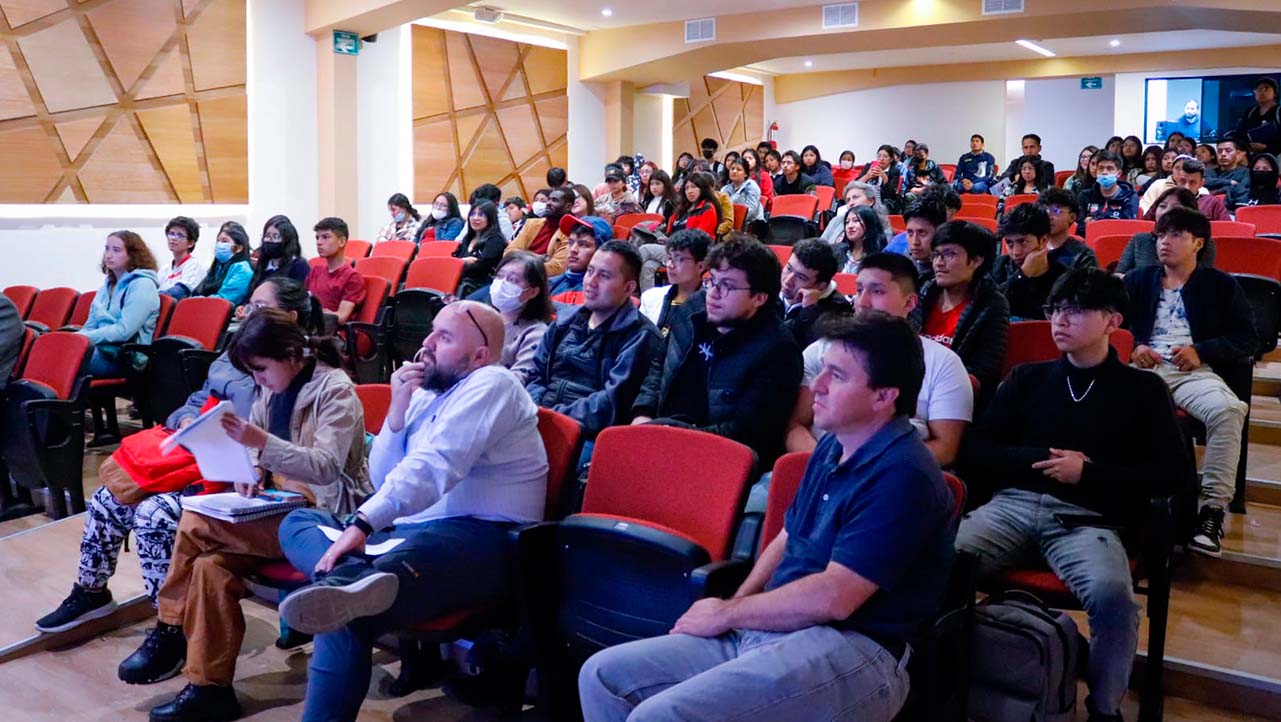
(1205, 107)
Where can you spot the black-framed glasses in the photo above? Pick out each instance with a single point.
(1071, 312)
(722, 288)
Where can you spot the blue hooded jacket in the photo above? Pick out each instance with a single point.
(124, 313)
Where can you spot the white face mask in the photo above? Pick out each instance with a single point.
(505, 295)
(540, 208)
(439, 214)
(847, 164)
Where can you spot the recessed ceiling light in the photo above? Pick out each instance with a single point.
(1115, 43)
(809, 63)
(607, 12)
(1036, 48)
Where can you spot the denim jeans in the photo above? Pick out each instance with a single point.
(813, 673)
(1204, 395)
(103, 366)
(1018, 528)
(444, 565)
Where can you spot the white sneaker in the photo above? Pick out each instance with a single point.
(331, 604)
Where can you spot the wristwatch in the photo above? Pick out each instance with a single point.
(359, 522)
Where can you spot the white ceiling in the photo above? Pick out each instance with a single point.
(586, 14)
(989, 52)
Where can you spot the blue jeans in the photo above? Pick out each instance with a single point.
(444, 565)
(1018, 528)
(103, 366)
(745, 675)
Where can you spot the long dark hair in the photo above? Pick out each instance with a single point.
(539, 308)
(293, 296)
(706, 193)
(290, 249)
(272, 333)
(1083, 177)
(873, 230)
(1039, 182)
(452, 213)
(818, 158)
(1186, 198)
(1130, 161)
(669, 192)
(585, 193)
(470, 237)
(400, 200)
(218, 270)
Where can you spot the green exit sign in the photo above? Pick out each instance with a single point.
(1091, 83)
(346, 43)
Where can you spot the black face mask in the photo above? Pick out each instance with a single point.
(1266, 179)
(708, 153)
(269, 251)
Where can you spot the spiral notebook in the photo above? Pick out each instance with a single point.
(232, 507)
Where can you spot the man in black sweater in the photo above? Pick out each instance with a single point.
(1191, 325)
(1025, 274)
(807, 290)
(1063, 448)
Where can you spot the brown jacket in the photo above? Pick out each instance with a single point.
(727, 214)
(326, 458)
(557, 255)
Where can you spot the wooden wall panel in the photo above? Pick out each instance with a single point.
(485, 111)
(123, 101)
(729, 111)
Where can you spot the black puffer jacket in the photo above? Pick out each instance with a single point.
(752, 380)
(592, 375)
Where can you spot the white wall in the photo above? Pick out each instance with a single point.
(1068, 118)
(942, 115)
(586, 121)
(647, 126)
(384, 127)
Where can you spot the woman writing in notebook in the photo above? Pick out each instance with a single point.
(306, 434)
(154, 519)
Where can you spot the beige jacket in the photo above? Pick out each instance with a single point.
(326, 459)
(557, 256)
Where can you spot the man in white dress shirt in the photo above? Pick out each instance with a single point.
(458, 462)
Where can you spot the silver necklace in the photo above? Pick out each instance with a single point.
(1072, 393)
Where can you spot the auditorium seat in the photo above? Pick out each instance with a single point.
(1264, 294)
(826, 196)
(365, 335)
(740, 215)
(627, 220)
(1231, 228)
(1019, 199)
(1032, 341)
(435, 273)
(43, 440)
(987, 222)
(846, 283)
(802, 205)
(1113, 227)
(385, 267)
(1061, 177)
(1248, 254)
(80, 313)
(158, 383)
(375, 399)
(22, 297)
(28, 338)
(653, 536)
(356, 250)
(788, 230)
(1109, 249)
(403, 250)
(1266, 219)
(783, 253)
(429, 281)
(51, 308)
(431, 249)
(103, 392)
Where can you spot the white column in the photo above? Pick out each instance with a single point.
(586, 123)
(283, 145)
(385, 126)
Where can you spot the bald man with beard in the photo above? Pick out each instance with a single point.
(457, 464)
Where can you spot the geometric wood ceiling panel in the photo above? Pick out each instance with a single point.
(123, 101)
(485, 111)
(729, 111)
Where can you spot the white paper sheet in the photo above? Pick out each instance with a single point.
(219, 458)
(371, 550)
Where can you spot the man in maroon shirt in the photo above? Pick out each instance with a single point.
(1193, 178)
(338, 287)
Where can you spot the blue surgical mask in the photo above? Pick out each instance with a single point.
(399, 217)
(1107, 180)
(222, 252)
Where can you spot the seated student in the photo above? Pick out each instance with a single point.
(1031, 145)
(743, 191)
(480, 247)
(519, 292)
(615, 198)
(339, 287)
(280, 253)
(585, 235)
(1141, 250)
(1108, 197)
(885, 175)
(1187, 320)
(126, 307)
(306, 434)
(686, 264)
(1026, 273)
(591, 363)
(404, 220)
(1066, 249)
(923, 221)
(1264, 172)
(230, 273)
(940, 193)
(443, 223)
(820, 625)
(813, 165)
(922, 172)
(154, 520)
(858, 193)
(542, 237)
(807, 291)
(1084, 176)
(184, 273)
(887, 282)
(731, 369)
(493, 194)
(698, 207)
(1058, 443)
(457, 465)
(1229, 178)
(976, 170)
(1030, 180)
(961, 307)
(1193, 179)
(791, 180)
(650, 241)
(1158, 187)
(516, 209)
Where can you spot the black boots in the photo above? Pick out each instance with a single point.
(208, 703)
(160, 657)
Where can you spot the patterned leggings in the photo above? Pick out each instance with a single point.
(154, 522)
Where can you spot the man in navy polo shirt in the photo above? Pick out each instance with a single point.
(821, 624)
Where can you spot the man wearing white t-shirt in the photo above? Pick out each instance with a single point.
(945, 406)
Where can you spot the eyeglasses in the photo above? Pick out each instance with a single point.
(1055, 210)
(271, 238)
(1072, 313)
(176, 235)
(483, 335)
(947, 256)
(722, 288)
